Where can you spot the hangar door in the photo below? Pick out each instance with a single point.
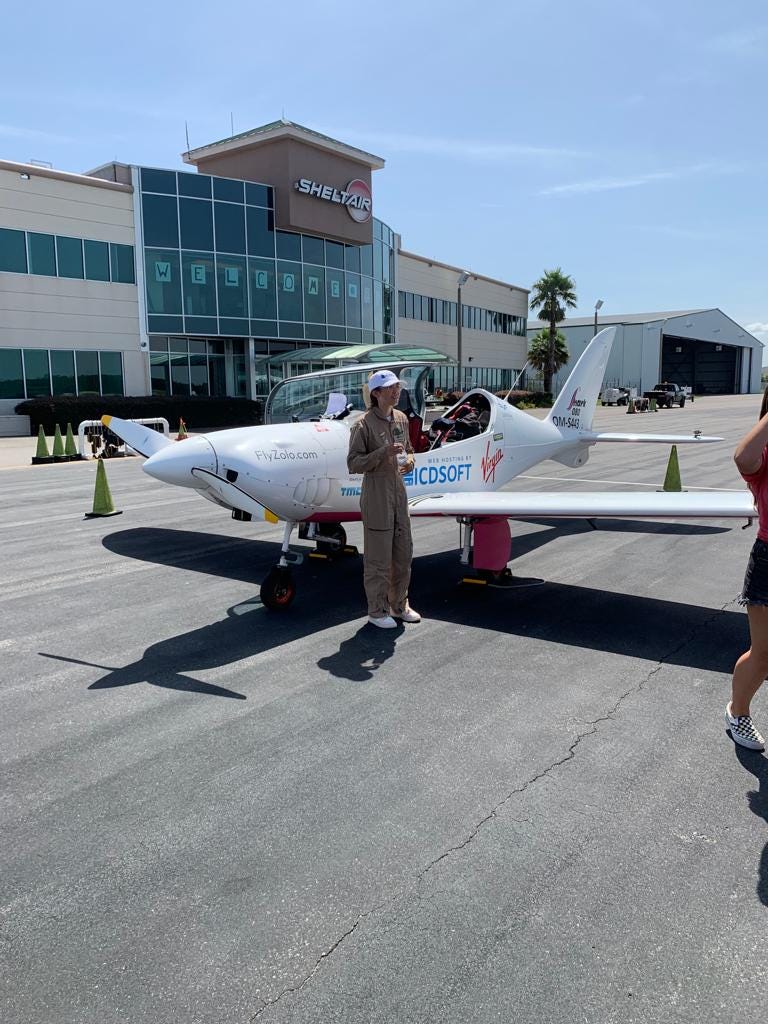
(708, 368)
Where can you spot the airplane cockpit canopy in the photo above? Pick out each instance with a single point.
(308, 396)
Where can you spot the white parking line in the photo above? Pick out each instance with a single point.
(624, 483)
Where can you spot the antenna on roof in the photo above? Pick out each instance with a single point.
(231, 124)
(186, 132)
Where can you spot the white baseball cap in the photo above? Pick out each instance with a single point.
(383, 379)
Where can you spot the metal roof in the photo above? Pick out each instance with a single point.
(277, 129)
(620, 318)
(356, 355)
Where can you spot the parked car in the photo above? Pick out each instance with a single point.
(667, 395)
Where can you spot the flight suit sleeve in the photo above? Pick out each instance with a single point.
(404, 470)
(359, 458)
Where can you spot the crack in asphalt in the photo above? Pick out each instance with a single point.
(475, 830)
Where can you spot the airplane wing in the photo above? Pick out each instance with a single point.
(589, 437)
(589, 505)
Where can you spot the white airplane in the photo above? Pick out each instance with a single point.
(296, 472)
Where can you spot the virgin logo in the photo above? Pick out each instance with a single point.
(489, 463)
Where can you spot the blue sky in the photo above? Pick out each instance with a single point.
(623, 142)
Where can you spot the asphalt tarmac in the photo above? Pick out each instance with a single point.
(525, 808)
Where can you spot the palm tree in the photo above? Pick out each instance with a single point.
(539, 353)
(551, 296)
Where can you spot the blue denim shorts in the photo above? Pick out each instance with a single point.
(756, 579)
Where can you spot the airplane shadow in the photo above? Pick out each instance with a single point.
(331, 594)
(757, 801)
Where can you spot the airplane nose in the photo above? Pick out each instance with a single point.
(174, 463)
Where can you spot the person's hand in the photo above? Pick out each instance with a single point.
(395, 449)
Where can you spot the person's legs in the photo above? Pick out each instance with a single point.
(402, 555)
(377, 556)
(752, 667)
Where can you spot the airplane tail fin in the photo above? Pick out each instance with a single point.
(575, 406)
(144, 440)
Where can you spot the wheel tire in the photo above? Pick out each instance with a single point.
(278, 590)
(682, 402)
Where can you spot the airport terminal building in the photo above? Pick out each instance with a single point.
(261, 259)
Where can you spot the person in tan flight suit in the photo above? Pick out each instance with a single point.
(380, 449)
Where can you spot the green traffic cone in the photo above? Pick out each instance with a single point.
(42, 455)
(58, 445)
(672, 478)
(103, 505)
(70, 449)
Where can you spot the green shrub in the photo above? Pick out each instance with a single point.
(527, 399)
(198, 413)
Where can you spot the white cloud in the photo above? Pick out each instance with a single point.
(9, 131)
(760, 331)
(457, 148)
(739, 42)
(637, 180)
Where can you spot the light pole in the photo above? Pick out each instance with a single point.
(598, 305)
(462, 280)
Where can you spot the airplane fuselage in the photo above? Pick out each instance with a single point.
(298, 471)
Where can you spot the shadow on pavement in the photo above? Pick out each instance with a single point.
(755, 762)
(331, 594)
(369, 644)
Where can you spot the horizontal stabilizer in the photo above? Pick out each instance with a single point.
(590, 505)
(651, 438)
(143, 440)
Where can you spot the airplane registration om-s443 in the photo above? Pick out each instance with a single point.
(296, 472)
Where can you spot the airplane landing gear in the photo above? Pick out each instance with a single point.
(330, 540)
(278, 589)
(485, 544)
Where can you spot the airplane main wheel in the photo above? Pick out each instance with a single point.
(334, 532)
(278, 589)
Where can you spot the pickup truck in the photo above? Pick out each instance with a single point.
(667, 395)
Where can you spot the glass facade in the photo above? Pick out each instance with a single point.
(31, 372)
(198, 366)
(31, 252)
(215, 265)
(442, 311)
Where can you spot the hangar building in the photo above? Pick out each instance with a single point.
(701, 348)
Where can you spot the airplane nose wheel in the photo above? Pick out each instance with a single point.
(278, 589)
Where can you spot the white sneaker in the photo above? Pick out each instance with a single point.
(743, 731)
(409, 615)
(383, 622)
